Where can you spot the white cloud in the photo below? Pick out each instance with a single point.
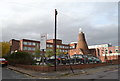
(28, 19)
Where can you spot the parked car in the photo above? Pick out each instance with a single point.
(97, 60)
(3, 62)
(92, 59)
(77, 58)
(59, 60)
(85, 59)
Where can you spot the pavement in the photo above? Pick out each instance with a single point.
(10, 74)
(60, 74)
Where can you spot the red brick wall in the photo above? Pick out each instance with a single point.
(65, 67)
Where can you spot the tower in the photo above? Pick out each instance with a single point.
(82, 44)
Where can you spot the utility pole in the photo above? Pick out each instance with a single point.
(55, 36)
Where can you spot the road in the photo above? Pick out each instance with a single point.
(103, 74)
(106, 72)
(10, 74)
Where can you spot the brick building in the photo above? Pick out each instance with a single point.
(106, 51)
(30, 45)
(102, 51)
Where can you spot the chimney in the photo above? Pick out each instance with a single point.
(82, 44)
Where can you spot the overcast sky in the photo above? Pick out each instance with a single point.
(27, 19)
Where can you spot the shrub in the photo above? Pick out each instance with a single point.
(20, 58)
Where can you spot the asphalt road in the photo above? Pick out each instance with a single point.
(106, 74)
(10, 74)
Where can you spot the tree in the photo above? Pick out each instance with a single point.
(58, 52)
(20, 58)
(4, 48)
(49, 53)
(37, 52)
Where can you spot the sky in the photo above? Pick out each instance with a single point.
(28, 19)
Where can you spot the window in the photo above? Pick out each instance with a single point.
(29, 48)
(33, 43)
(67, 46)
(47, 45)
(60, 50)
(116, 51)
(110, 51)
(25, 48)
(29, 43)
(99, 52)
(32, 48)
(37, 44)
(58, 46)
(25, 43)
(51, 45)
(71, 47)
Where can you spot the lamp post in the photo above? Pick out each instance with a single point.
(55, 36)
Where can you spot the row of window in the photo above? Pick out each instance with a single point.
(72, 46)
(59, 50)
(58, 46)
(48, 45)
(29, 48)
(63, 50)
(110, 51)
(33, 49)
(31, 43)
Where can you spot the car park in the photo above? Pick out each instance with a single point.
(3, 62)
(74, 59)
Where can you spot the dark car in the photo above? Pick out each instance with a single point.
(97, 60)
(59, 60)
(92, 59)
(77, 58)
(85, 59)
(3, 62)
